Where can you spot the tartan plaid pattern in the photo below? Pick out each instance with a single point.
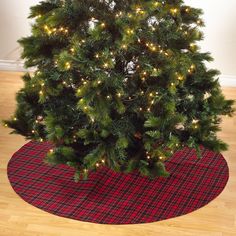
(116, 198)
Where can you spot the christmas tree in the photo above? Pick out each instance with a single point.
(118, 83)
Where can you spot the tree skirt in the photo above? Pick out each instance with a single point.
(115, 198)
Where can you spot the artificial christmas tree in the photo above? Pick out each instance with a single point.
(118, 83)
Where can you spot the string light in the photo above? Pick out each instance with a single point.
(119, 14)
(41, 140)
(51, 150)
(85, 170)
(15, 119)
(119, 94)
(160, 158)
(192, 45)
(40, 92)
(103, 161)
(103, 24)
(180, 77)
(199, 22)
(6, 125)
(130, 15)
(68, 66)
(153, 48)
(105, 65)
(124, 46)
(187, 9)
(173, 11)
(97, 164)
(33, 131)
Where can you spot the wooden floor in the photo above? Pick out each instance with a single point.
(18, 218)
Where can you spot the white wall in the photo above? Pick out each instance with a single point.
(220, 31)
(13, 25)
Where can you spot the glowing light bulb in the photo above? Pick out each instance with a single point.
(103, 161)
(105, 65)
(153, 48)
(68, 66)
(173, 10)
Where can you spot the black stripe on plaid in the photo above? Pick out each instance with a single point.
(116, 198)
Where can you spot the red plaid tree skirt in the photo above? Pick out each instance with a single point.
(114, 198)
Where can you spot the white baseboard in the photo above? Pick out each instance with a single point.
(11, 65)
(227, 80)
